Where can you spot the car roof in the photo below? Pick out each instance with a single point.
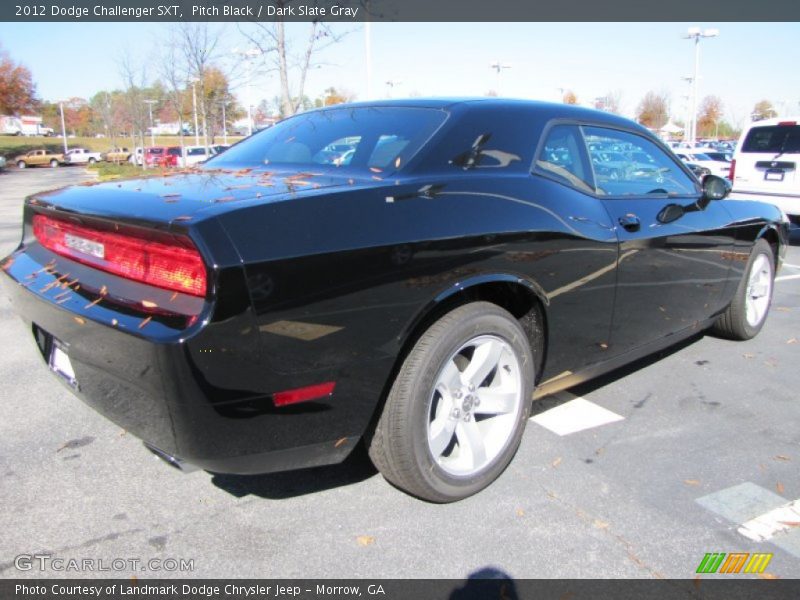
(548, 110)
(773, 121)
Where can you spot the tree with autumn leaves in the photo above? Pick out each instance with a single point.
(17, 90)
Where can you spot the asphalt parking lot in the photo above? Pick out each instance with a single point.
(694, 447)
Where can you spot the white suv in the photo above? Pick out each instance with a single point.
(765, 164)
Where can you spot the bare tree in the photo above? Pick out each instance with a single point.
(653, 110)
(135, 81)
(763, 110)
(173, 73)
(610, 102)
(198, 43)
(710, 116)
(291, 63)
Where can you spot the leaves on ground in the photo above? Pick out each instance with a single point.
(779, 487)
(556, 462)
(365, 540)
(694, 482)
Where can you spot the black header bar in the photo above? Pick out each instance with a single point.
(353, 11)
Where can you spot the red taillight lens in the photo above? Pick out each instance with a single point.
(175, 264)
(304, 394)
(732, 170)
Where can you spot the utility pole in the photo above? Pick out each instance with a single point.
(150, 109)
(63, 126)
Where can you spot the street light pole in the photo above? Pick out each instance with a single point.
(63, 126)
(694, 33)
(498, 67)
(150, 110)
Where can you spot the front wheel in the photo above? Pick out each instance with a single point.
(748, 310)
(456, 412)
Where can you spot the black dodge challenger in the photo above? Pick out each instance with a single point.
(407, 273)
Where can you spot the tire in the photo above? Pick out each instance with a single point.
(747, 312)
(427, 441)
(92, 161)
(53, 163)
(21, 164)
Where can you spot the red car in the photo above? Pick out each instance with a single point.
(162, 156)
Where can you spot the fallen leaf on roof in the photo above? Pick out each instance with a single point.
(365, 540)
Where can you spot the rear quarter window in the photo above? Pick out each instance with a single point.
(773, 139)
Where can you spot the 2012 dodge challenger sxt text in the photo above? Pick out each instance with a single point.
(410, 273)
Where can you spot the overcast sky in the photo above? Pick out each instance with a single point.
(746, 63)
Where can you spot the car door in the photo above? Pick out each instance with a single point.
(674, 248)
(37, 158)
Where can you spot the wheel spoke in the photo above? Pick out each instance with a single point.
(495, 401)
(471, 441)
(484, 359)
(441, 433)
(450, 376)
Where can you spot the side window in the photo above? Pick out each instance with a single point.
(625, 164)
(561, 157)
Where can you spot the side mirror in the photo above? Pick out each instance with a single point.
(715, 188)
(670, 213)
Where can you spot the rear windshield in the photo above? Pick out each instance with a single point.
(773, 139)
(375, 139)
(155, 150)
(174, 151)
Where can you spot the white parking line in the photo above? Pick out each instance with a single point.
(787, 277)
(575, 415)
(763, 527)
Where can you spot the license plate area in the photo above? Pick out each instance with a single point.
(773, 175)
(56, 355)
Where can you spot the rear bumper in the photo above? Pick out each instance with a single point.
(200, 393)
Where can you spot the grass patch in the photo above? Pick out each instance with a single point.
(108, 171)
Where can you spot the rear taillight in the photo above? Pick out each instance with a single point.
(169, 262)
(732, 170)
(787, 123)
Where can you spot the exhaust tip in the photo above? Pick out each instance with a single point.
(172, 461)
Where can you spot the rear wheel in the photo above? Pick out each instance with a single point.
(53, 163)
(21, 164)
(748, 310)
(457, 410)
(92, 161)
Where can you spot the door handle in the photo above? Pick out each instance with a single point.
(630, 222)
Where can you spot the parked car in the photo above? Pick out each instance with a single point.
(117, 155)
(154, 155)
(220, 148)
(2, 162)
(267, 311)
(137, 156)
(38, 158)
(697, 156)
(718, 155)
(765, 164)
(194, 155)
(81, 156)
(699, 171)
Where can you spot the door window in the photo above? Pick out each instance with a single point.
(626, 164)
